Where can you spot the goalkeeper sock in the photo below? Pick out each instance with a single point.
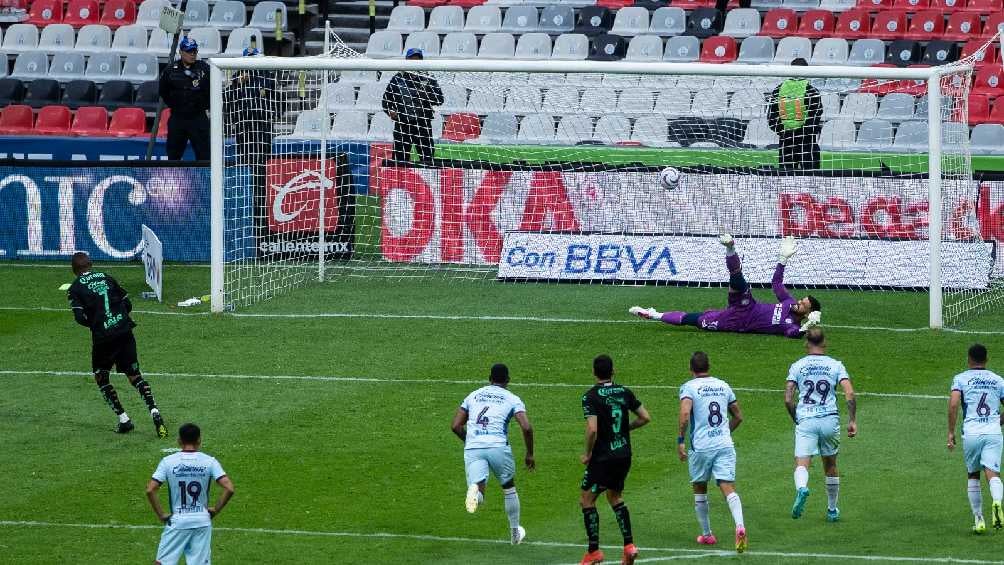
(624, 521)
(592, 520)
(144, 390)
(673, 318)
(108, 392)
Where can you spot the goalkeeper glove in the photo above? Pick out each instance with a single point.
(788, 248)
(812, 319)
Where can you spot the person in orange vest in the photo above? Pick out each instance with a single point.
(795, 114)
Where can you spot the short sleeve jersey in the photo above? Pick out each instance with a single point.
(709, 417)
(188, 476)
(982, 394)
(611, 404)
(102, 303)
(816, 377)
(489, 411)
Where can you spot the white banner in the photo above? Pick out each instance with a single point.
(153, 261)
(699, 259)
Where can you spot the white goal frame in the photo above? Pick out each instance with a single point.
(932, 75)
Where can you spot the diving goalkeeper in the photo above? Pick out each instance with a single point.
(744, 314)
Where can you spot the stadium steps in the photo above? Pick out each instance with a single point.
(351, 21)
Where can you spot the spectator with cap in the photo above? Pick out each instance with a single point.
(184, 86)
(795, 114)
(409, 101)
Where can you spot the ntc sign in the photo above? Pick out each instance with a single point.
(294, 195)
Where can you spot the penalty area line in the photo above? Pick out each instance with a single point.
(687, 553)
(411, 380)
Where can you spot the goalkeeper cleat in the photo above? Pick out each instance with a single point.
(980, 527)
(727, 240)
(833, 515)
(592, 557)
(158, 424)
(799, 506)
(473, 499)
(707, 539)
(997, 516)
(124, 427)
(630, 554)
(647, 313)
(741, 542)
(518, 535)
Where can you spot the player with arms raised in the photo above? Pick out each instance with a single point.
(482, 423)
(980, 392)
(706, 402)
(788, 317)
(814, 378)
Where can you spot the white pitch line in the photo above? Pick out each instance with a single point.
(406, 380)
(695, 553)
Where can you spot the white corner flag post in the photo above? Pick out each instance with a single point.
(153, 262)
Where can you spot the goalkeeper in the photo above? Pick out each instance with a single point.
(744, 314)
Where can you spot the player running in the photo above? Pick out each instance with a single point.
(99, 303)
(486, 443)
(607, 458)
(744, 314)
(814, 378)
(980, 392)
(188, 475)
(706, 402)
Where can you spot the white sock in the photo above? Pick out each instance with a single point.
(996, 489)
(701, 509)
(512, 506)
(975, 497)
(801, 477)
(154, 411)
(832, 490)
(123, 418)
(736, 506)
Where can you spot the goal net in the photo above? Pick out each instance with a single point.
(517, 170)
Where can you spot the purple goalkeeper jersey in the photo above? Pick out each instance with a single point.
(745, 315)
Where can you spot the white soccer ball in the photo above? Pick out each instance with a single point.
(669, 178)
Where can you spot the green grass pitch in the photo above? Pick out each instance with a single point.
(357, 465)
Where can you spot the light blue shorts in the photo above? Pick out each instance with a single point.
(480, 460)
(983, 451)
(817, 436)
(192, 543)
(719, 464)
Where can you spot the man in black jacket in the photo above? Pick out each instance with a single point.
(184, 86)
(795, 114)
(409, 101)
(101, 305)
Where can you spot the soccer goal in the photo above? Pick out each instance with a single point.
(549, 171)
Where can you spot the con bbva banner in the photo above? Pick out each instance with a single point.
(461, 215)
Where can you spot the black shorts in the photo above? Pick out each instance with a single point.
(119, 351)
(604, 475)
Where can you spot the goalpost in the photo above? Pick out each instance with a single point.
(548, 170)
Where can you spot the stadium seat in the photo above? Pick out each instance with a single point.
(497, 46)
(911, 137)
(954, 136)
(116, 94)
(45, 12)
(520, 19)
(56, 38)
(598, 100)
(573, 130)
(817, 24)
(645, 48)
(340, 97)
(31, 65)
(830, 51)
(837, 135)
(926, 26)
(608, 47)
(118, 13)
(911, 6)
(801, 5)
(636, 101)
(160, 42)
(859, 107)
(264, 15)
(148, 96)
(461, 127)
(81, 12)
(874, 135)
(903, 52)
(691, 5)
(594, 20)
(370, 96)
(382, 45)
(854, 24)
(427, 3)
(229, 14)
(668, 21)
(459, 45)
(42, 92)
(16, 119)
(791, 48)
(988, 81)
(130, 39)
(53, 120)
(165, 117)
(556, 19)
(485, 101)
(651, 131)
(987, 139)
(90, 121)
(742, 23)
(148, 13)
(103, 67)
(211, 42)
(867, 52)
(993, 25)
(962, 26)
(765, 5)
(347, 124)
(719, 49)
(196, 14)
(536, 129)
(20, 38)
(831, 105)
(94, 38)
(673, 102)
(889, 25)
(243, 38)
(127, 122)
(779, 23)
(758, 134)
(446, 19)
(484, 19)
(875, 5)
(630, 21)
(11, 91)
(979, 109)
(500, 128)
(140, 67)
(897, 107)
(747, 104)
(313, 124)
(454, 97)
(757, 50)
(67, 66)
(710, 104)
(704, 22)
(837, 6)
(523, 100)
(615, 5)
(682, 49)
(571, 47)
(948, 6)
(940, 53)
(533, 46)
(984, 6)
(406, 19)
(381, 128)
(611, 130)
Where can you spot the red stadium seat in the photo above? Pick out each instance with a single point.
(53, 120)
(915, 87)
(854, 24)
(875, 5)
(90, 121)
(984, 6)
(962, 26)
(427, 3)
(989, 81)
(16, 119)
(81, 12)
(880, 87)
(979, 109)
(996, 112)
(165, 115)
(466, 3)
(461, 127)
(778, 23)
(119, 13)
(994, 23)
(817, 24)
(614, 4)
(926, 25)
(910, 5)
(128, 122)
(989, 57)
(45, 12)
(889, 25)
(693, 4)
(948, 6)
(719, 49)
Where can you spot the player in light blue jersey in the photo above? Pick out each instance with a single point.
(706, 402)
(980, 392)
(482, 423)
(814, 378)
(188, 475)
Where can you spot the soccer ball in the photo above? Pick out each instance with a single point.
(669, 178)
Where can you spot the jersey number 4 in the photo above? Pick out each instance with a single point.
(482, 420)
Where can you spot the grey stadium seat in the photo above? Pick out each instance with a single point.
(520, 19)
(611, 130)
(160, 42)
(131, 39)
(911, 137)
(645, 48)
(339, 97)
(630, 20)
(756, 50)
(384, 45)
(537, 129)
(598, 100)
(988, 139)
(571, 47)
(742, 22)
(800, 5)
(668, 21)
(427, 41)
(460, 45)
(831, 105)
(483, 19)
(497, 46)
(454, 98)
(370, 96)
(758, 134)
(148, 13)
(897, 107)
(264, 14)
(652, 131)
(140, 67)
(837, 5)
(95, 38)
(446, 19)
(533, 46)
(837, 135)
(381, 128)
(485, 101)
(67, 66)
(747, 105)
(228, 14)
(673, 102)
(561, 100)
(639, 101)
(574, 129)
(209, 39)
(357, 77)
(523, 100)
(791, 48)
(61, 37)
(33, 64)
(349, 124)
(406, 19)
(310, 124)
(241, 38)
(556, 19)
(710, 104)
(867, 53)
(498, 128)
(765, 4)
(103, 67)
(874, 135)
(20, 38)
(859, 106)
(197, 14)
(682, 49)
(954, 135)
(830, 51)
